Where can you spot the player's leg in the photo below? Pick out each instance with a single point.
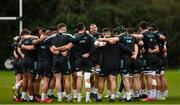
(92, 80)
(87, 75)
(121, 88)
(101, 82)
(74, 82)
(108, 84)
(51, 88)
(58, 86)
(47, 75)
(18, 72)
(58, 78)
(66, 77)
(97, 69)
(79, 81)
(148, 78)
(113, 83)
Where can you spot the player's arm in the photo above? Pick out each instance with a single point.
(138, 36)
(155, 50)
(15, 54)
(39, 40)
(29, 47)
(20, 52)
(63, 48)
(162, 37)
(92, 48)
(113, 40)
(99, 44)
(135, 53)
(140, 43)
(29, 36)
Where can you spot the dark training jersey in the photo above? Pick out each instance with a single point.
(96, 51)
(59, 40)
(44, 54)
(150, 41)
(109, 57)
(127, 41)
(84, 43)
(32, 54)
(160, 42)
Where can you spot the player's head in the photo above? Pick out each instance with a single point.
(130, 30)
(118, 30)
(25, 32)
(143, 25)
(93, 28)
(154, 26)
(62, 27)
(81, 26)
(53, 29)
(106, 32)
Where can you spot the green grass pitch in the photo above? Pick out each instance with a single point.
(7, 79)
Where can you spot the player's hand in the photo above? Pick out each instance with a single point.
(65, 53)
(53, 50)
(22, 55)
(165, 49)
(112, 42)
(43, 37)
(150, 50)
(101, 39)
(85, 55)
(165, 54)
(133, 57)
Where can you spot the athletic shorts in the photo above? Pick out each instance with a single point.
(73, 66)
(125, 65)
(62, 66)
(136, 66)
(28, 65)
(18, 67)
(161, 65)
(95, 60)
(45, 69)
(104, 72)
(150, 63)
(84, 64)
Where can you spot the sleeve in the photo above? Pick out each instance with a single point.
(157, 35)
(125, 49)
(71, 38)
(76, 39)
(31, 40)
(93, 48)
(120, 38)
(136, 40)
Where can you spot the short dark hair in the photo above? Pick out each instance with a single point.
(60, 25)
(52, 28)
(153, 26)
(143, 24)
(130, 30)
(92, 24)
(80, 26)
(25, 32)
(36, 31)
(105, 30)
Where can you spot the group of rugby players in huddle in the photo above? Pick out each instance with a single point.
(65, 62)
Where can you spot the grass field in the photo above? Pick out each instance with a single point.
(7, 79)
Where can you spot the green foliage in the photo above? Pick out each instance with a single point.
(105, 13)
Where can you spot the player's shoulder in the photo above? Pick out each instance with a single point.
(69, 35)
(51, 36)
